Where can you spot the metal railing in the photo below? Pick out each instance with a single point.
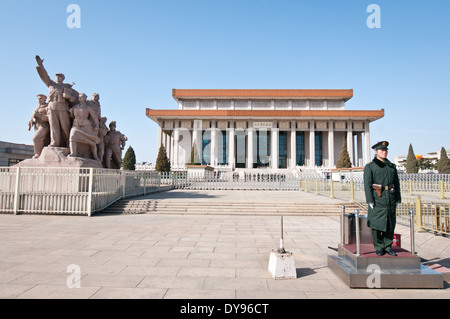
(232, 181)
(79, 191)
(424, 194)
(88, 190)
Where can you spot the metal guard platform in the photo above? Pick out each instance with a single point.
(402, 271)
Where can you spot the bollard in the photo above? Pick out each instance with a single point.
(352, 191)
(331, 189)
(441, 187)
(418, 212)
(411, 228)
(358, 239)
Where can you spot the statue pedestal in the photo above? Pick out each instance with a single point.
(282, 265)
(58, 157)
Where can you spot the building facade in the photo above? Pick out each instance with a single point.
(254, 129)
(13, 153)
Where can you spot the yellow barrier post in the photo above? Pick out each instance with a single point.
(317, 187)
(352, 191)
(441, 187)
(331, 189)
(410, 187)
(419, 214)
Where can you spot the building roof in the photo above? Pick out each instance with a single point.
(260, 94)
(370, 115)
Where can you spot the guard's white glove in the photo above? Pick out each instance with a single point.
(371, 205)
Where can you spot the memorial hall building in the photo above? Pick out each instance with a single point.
(233, 129)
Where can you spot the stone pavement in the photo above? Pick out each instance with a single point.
(160, 256)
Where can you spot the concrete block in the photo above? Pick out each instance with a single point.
(282, 265)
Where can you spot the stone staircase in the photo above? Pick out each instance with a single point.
(227, 208)
(129, 206)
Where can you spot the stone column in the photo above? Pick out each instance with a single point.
(350, 143)
(312, 145)
(367, 145)
(359, 149)
(250, 134)
(231, 154)
(164, 139)
(176, 137)
(160, 135)
(213, 144)
(197, 138)
(195, 132)
(274, 146)
(171, 143)
(331, 144)
(293, 145)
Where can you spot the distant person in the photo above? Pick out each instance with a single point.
(382, 190)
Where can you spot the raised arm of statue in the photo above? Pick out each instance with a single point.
(43, 72)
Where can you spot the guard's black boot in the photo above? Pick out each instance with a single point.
(391, 252)
(379, 252)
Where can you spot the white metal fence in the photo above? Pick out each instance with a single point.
(84, 191)
(79, 191)
(233, 181)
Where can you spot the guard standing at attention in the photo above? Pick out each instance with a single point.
(382, 190)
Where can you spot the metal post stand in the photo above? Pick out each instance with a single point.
(342, 225)
(358, 235)
(281, 250)
(411, 228)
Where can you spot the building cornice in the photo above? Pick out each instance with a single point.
(261, 94)
(370, 115)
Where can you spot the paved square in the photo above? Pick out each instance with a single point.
(182, 256)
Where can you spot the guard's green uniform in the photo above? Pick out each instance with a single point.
(382, 217)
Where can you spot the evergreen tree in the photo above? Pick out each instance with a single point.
(129, 160)
(344, 158)
(443, 165)
(425, 164)
(194, 160)
(412, 166)
(162, 162)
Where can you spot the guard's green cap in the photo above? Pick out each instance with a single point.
(383, 145)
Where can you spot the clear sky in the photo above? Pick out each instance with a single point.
(134, 52)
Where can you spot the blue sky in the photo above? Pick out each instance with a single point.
(134, 52)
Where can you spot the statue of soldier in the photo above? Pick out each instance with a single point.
(39, 120)
(84, 129)
(114, 143)
(60, 95)
(382, 190)
(95, 104)
(102, 131)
